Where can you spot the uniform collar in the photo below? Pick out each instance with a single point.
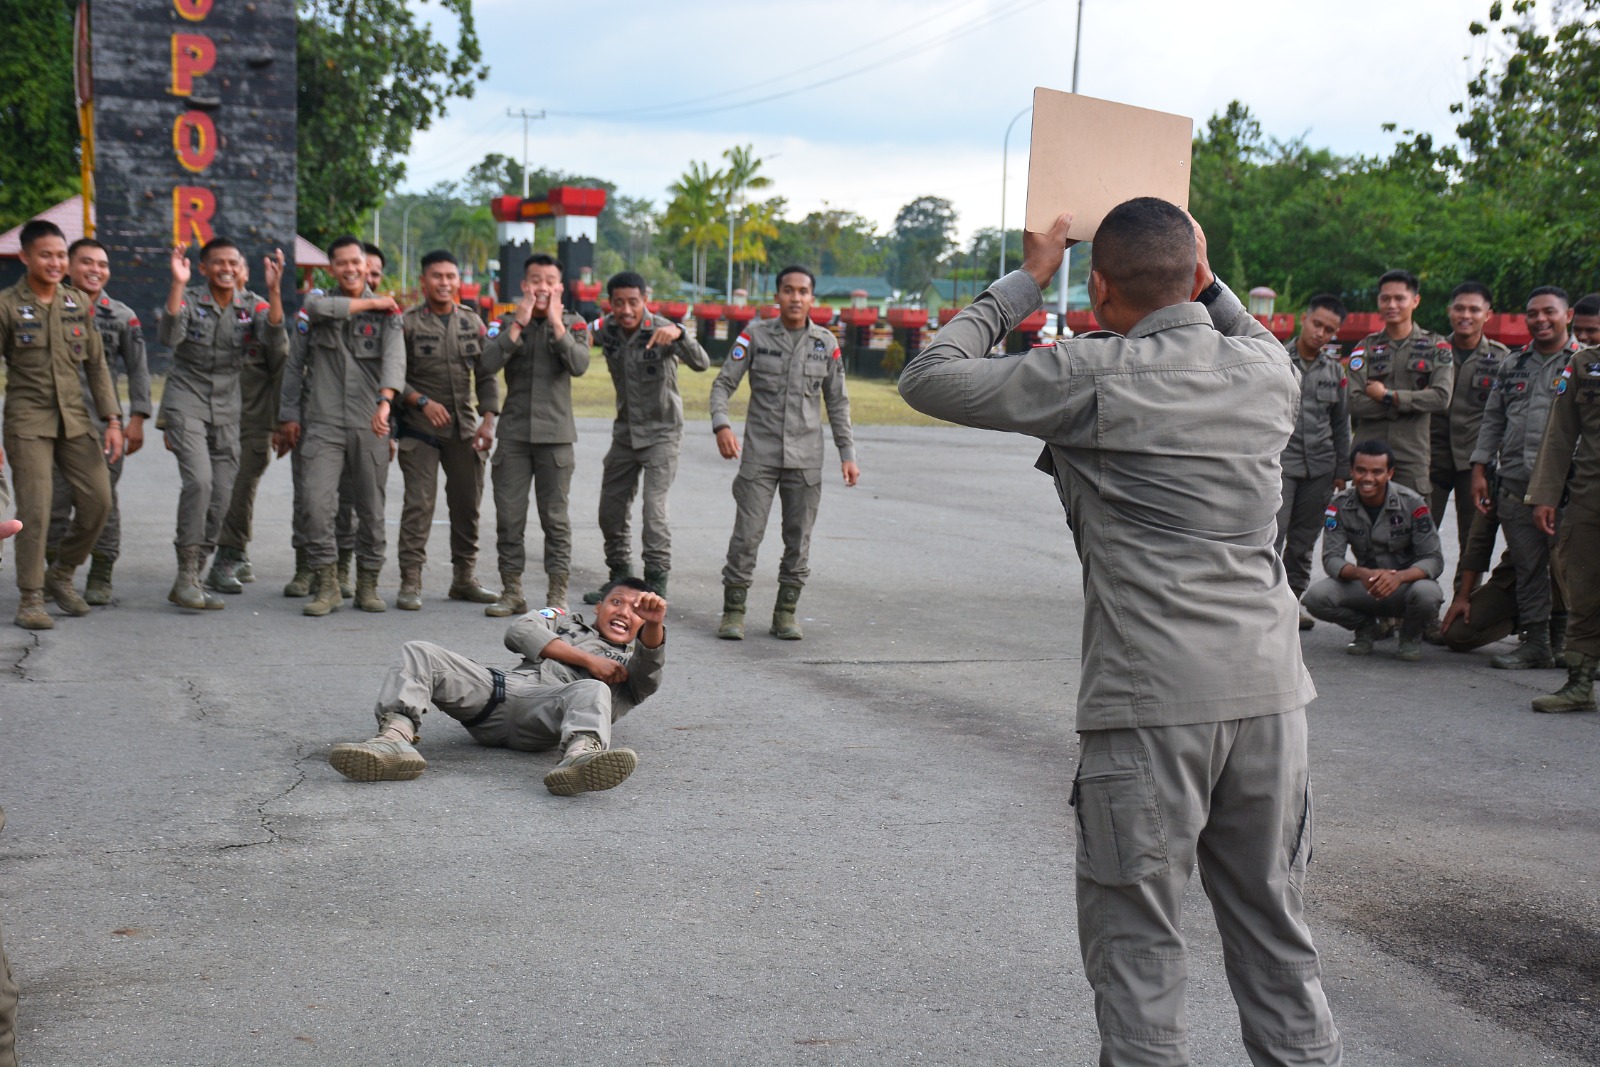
(1188, 313)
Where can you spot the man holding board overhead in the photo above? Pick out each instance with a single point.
(1163, 432)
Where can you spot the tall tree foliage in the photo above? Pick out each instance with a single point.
(371, 75)
(38, 124)
(924, 230)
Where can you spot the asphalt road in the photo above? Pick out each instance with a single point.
(851, 850)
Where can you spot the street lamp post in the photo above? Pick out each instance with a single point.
(1005, 153)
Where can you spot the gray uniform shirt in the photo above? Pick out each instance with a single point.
(208, 350)
(528, 636)
(791, 374)
(1320, 443)
(444, 356)
(649, 406)
(1455, 433)
(348, 359)
(1165, 448)
(123, 340)
(1403, 536)
(1517, 410)
(537, 407)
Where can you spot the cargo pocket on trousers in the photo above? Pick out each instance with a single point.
(1121, 838)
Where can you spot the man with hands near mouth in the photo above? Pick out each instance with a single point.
(542, 347)
(574, 681)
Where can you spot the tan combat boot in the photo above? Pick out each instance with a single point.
(304, 576)
(97, 590)
(785, 627)
(1578, 693)
(390, 757)
(58, 586)
(734, 598)
(555, 591)
(410, 596)
(30, 611)
(346, 589)
(244, 570)
(325, 586)
(588, 766)
(511, 601)
(367, 598)
(186, 592)
(464, 583)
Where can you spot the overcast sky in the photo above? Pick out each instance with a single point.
(918, 94)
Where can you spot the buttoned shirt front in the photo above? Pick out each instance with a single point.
(645, 376)
(209, 348)
(792, 373)
(349, 359)
(539, 367)
(444, 362)
(1402, 536)
(1518, 407)
(1320, 444)
(44, 346)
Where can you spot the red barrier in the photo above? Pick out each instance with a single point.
(908, 318)
(1280, 325)
(858, 316)
(1509, 330)
(822, 314)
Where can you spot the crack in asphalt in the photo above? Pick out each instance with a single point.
(265, 817)
(20, 668)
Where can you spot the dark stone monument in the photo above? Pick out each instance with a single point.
(194, 135)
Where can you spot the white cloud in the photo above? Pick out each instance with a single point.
(931, 121)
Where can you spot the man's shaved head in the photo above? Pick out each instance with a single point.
(1146, 249)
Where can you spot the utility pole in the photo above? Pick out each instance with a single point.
(527, 116)
(1065, 281)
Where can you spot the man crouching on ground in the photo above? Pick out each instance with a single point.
(574, 681)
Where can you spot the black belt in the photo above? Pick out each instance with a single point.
(402, 430)
(494, 701)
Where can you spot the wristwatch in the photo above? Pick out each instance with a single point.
(1210, 292)
(422, 401)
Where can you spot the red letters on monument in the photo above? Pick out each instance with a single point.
(194, 135)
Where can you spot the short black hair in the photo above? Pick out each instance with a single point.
(345, 242)
(542, 259)
(627, 279)
(373, 250)
(1327, 302)
(1588, 305)
(37, 228)
(217, 244)
(84, 242)
(1552, 290)
(1373, 447)
(1404, 277)
(1146, 246)
(438, 255)
(625, 582)
(1471, 289)
(794, 268)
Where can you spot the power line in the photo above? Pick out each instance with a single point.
(665, 111)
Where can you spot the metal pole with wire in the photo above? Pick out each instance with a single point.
(1005, 150)
(405, 243)
(1066, 260)
(526, 116)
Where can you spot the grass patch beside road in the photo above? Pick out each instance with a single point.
(873, 401)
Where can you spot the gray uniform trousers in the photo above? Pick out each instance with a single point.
(656, 465)
(463, 492)
(1300, 524)
(1530, 548)
(1346, 602)
(8, 1013)
(1236, 797)
(208, 462)
(548, 468)
(110, 543)
(344, 528)
(238, 525)
(800, 490)
(32, 459)
(333, 453)
(535, 715)
(1439, 498)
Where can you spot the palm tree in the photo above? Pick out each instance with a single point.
(696, 206)
(759, 223)
(743, 174)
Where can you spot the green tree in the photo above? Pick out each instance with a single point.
(371, 75)
(924, 231)
(749, 225)
(38, 123)
(695, 213)
(831, 241)
(470, 232)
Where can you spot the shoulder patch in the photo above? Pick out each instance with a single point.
(1421, 512)
(1330, 518)
(493, 329)
(134, 322)
(836, 352)
(1356, 362)
(263, 306)
(551, 613)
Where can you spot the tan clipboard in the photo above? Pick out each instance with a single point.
(1090, 155)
